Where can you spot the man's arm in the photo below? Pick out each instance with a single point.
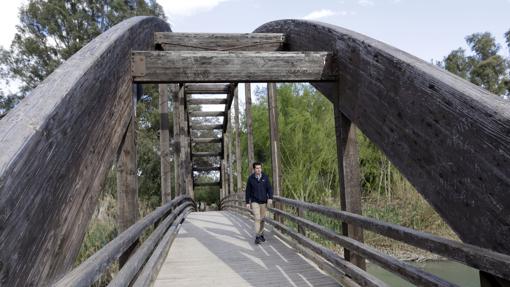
(247, 193)
(269, 189)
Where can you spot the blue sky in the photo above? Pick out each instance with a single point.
(426, 29)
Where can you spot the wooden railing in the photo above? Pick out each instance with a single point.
(144, 264)
(485, 260)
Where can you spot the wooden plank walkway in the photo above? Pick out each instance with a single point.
(217, 249)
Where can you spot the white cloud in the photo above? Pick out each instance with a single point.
(188, 7)
(366, 3)
(319, 14)
(8, 21)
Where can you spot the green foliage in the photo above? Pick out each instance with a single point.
(485, 67)
(50, 31)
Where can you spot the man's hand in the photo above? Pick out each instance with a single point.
(270, 202)
(248, 205)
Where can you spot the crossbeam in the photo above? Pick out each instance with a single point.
(206, 154)
(207, 67)
(206, 88)
(206, 168)
(207, 101)
(206, 114)
(219, 42)
(206, 127)
(206, 140)
(207, 184)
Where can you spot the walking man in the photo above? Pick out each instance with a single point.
(258, 194)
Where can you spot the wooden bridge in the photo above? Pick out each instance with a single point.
(449, 138)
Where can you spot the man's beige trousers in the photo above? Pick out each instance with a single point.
(259, 212)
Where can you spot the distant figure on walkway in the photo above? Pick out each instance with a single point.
(258, 193)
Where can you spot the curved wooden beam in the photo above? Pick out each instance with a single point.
(57, 147)
(450, 138)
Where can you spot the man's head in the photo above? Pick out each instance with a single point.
(257, 167)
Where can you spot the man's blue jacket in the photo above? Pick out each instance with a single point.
(258, 190)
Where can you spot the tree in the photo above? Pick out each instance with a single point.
(51, 31)
(485, 67)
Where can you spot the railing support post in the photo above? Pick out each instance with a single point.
(238, 141)
(349, 175)
(127, 183)
(249, 129)
(274, 139)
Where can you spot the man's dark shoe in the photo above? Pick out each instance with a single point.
(262, 239)
(257, 240)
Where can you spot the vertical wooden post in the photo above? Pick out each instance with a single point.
(224, 179)
(183, 143)
(274, 139)
(177, 142)
(249, 128)
(350, 180)
(230, 157)
(164, 143)
(127, 181)
(238, 141)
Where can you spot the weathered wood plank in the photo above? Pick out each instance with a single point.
(57, 147)
(358, 275)
(223, 240)
(207, 184)
(206, 88)
(349, 179)
(206, 127)
(206, 168)
(128, 272)
(127, 180)
(207, 101)
(164, 142)
(90, 270)
(238, 142)
(205, 154)
(400, 268)
(206, 67)
(153, 265)
(206, 140)
(206, 114)
(450, 138)
(471, 255)
(249, 128)
(220, 41)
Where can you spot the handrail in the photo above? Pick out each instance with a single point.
(479, 258)
(92, 268)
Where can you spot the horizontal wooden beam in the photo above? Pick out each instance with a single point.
(207, 67)
(206, 88)
(207, 114)
(206, 168)
(206, 127)
(206, 154)
(206, 140)
(207, 101)
(219, 42)
(207, 183)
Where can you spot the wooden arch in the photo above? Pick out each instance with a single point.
(450, 138)
(57, 147)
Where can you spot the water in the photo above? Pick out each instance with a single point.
(450, 271)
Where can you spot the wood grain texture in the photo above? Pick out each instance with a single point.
(206, 88)
(479, 258)
(164, 143)
(237, 141)
(211, 67)
(127, 181)
(91, 269)
(57, 146)
(405, 270)
(219, 246)
(219, 41)
(207, 101)
(249, 126)
(349, 179)
(450, 138)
